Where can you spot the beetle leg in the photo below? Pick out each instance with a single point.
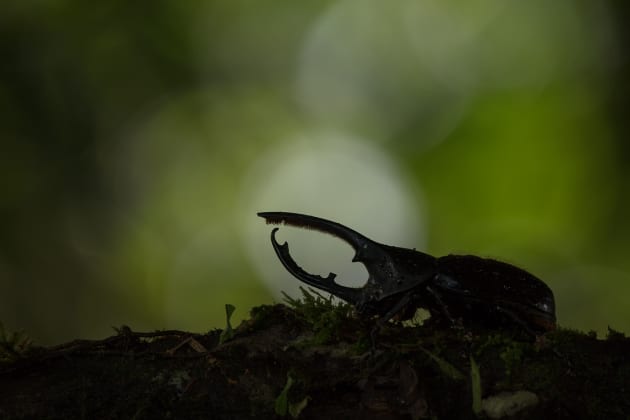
(404, 301)
(441, 304)
(382, 321)
(510, 314)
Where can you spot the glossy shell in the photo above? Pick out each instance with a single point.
(500, 287)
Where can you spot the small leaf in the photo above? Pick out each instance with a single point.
(508, 403)
(228, 332)
(282, 402)
(296, 409)
(447, 368)
(13, 345)
(475, 378)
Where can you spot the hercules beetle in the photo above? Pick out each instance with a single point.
(453, 287)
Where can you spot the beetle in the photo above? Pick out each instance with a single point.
(464, 288)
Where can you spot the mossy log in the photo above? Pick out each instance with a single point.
(315, 360)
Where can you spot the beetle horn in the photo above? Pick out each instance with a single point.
(328, 283)
(359, 243)
(355, 239)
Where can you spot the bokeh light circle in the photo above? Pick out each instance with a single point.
(337, 177)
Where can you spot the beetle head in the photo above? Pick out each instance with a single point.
(391, 270)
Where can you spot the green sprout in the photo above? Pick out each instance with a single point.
(13, 345)
(228, 332)
(284, 407)
(475, 379)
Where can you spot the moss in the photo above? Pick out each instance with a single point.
(510, 351)
(615, 335)
(260, 315)
(13, 345)
(324, 315)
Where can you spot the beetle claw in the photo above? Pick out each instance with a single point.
(388, 267)
(325, 283)
(355, 239)
(289, 263)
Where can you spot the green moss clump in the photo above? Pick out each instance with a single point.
(510, 351)
(13, 345)
(323, 314)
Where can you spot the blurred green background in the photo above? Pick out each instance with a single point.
(139, 139)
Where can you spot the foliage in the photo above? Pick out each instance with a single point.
(282, 405)
(13, 345)
(511, 352)
(228, 332)
(447, 368)
(324, 314)
(475, 379)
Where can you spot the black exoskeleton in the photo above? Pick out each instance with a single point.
(454, 287)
